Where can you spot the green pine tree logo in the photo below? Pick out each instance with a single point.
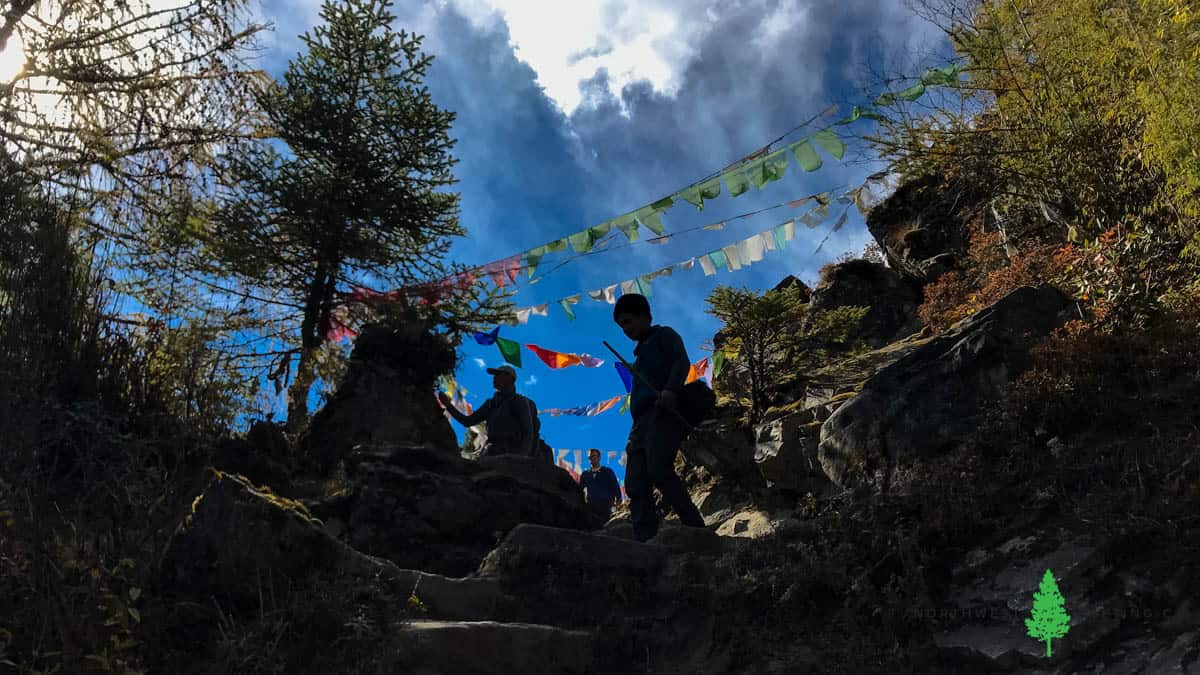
(1048, 620)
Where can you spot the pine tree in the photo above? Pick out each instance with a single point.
(1048, 619)
(774, 335)
(355, 195)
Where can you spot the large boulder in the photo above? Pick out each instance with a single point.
(786, 452)
(893, 300)
(385, 397)
(425, 509)
(726, 449)
(240, 544)
(930, 400)
(262, 456)
(922, 228)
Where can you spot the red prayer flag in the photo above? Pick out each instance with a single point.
(554, 359)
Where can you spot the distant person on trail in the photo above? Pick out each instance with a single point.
(601, 486)
(662, 360)
(512, 421)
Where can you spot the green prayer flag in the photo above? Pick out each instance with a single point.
(533, 257)
(885, 99)
(737, 183)
(807, 157)
(941, 76)
(912, 93)
(511, 351)
(718, 259)
(871, 115)
(625, 404)
(556, 246)
(567, 309)
(718, 361)
(630, 230)
(598, 232)
(830, 142)
(643, 286)
(780, 242)
(775, 165)
(854, 115)
(696, 194)
(663, 204)
(651, 221)
(756, 172)
(582, 241)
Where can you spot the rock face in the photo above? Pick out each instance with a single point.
(425, 509)
(726, 449)
(385, 396)
(930, 399)
(261, 456)
(786, 452)
(240, 543)
(920, 229)
(861, 283)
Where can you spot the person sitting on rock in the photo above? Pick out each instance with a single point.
(512, 421)
(600, 485)
(661, 364)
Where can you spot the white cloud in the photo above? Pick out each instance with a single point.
(531, 381)
(569, 42)
(481, 363)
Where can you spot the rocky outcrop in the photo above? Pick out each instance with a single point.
(429, 510)
(384, 398)
(930, 399)
(893, 300)
(262, 456)
(786, 452)
(241, 544)
(922, 228)
(725, 448)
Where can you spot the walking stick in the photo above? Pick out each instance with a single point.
(687, 425)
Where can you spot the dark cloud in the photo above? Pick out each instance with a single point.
(528, 173)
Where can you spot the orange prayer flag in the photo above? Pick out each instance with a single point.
(698, 370)
(555, 359)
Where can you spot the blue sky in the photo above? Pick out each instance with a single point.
(567, 119)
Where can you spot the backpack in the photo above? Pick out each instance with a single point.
(697, 402)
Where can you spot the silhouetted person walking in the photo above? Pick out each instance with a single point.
(660, 358)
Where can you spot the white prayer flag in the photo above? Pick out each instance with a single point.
(731, 258)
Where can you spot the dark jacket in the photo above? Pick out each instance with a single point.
(601, 485)
(661, 358)
(512, 422)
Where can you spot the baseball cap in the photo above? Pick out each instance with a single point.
(503, 369)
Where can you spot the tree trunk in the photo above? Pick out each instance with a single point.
(310, 341)
(297, 416)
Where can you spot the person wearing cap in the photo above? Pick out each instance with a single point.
(601, 486)
(512, 420)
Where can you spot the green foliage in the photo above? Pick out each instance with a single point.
(774, 335)
(358, 193)
(1075, 122)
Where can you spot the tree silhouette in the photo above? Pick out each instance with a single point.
(1048, 620)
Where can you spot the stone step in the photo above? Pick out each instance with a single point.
(487, 647)
(470, 598)
(578, 578)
